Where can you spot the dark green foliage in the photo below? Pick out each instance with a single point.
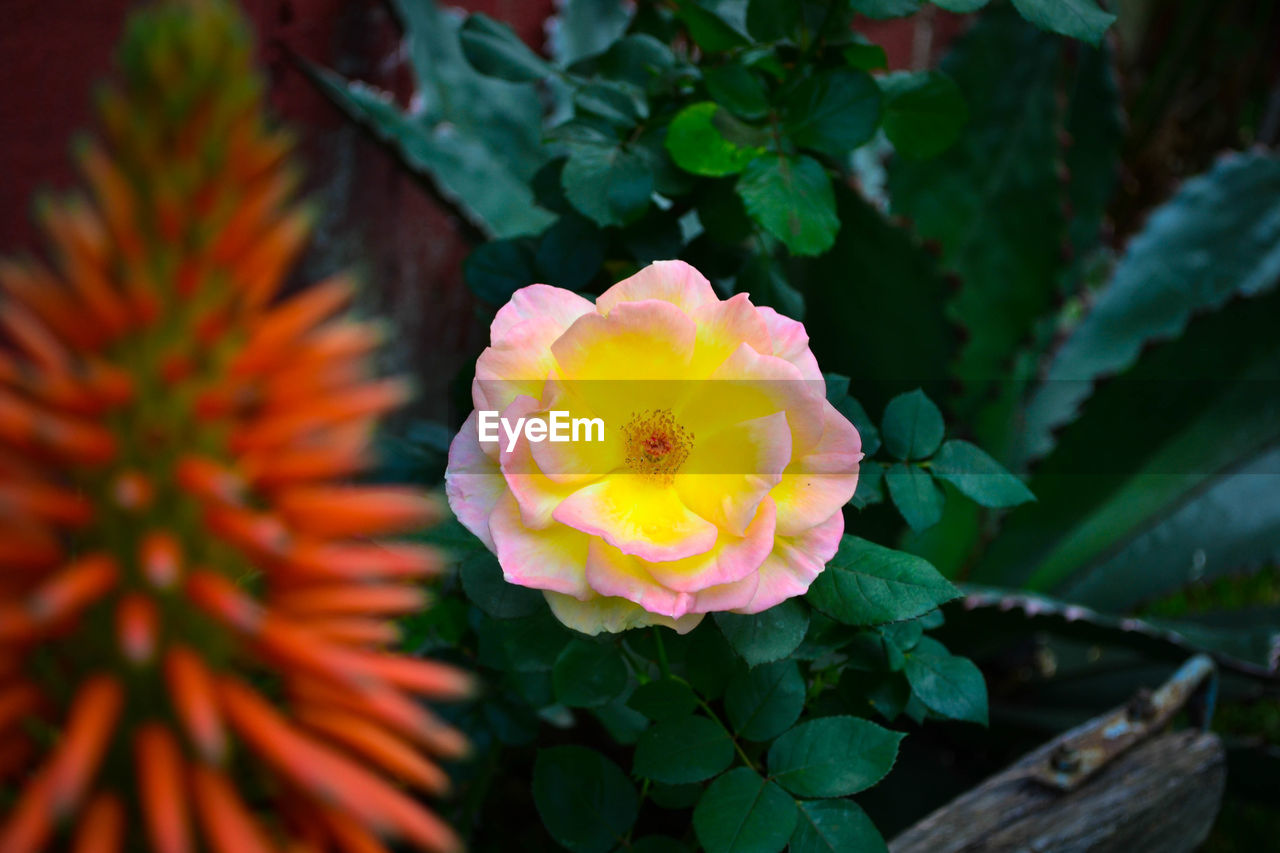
(832, 756)
(585, 800)
(950, 685)
(912, 427)
(763, 701)
(767, 636)
(924, 112)
(866, 584)
(741, 812)
(588, 674)
(992, 201)
(915, 495)
(835, 826)
(1046, 422)
(683, 750)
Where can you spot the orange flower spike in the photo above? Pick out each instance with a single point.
(358, 790)
(28, 428)
(137, 625)
(72, 589)
(160, 559)
(28, 826)
(379, 746)
(44, 504)
(227, 824)
(196, 705)
(358, 562)
(176, 510)
(31, 336)
(366, 401)
(93, 716)
(283, 326)
(338, 511)
(375, 633)
(162, 789)
(102, 830)
(423, 677)
(30, 284)
(350, 836)
(339, 600)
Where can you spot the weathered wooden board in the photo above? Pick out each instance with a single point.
(1160, 797)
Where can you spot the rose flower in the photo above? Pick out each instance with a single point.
(716, 484)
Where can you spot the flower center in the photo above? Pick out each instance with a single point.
(655, 444)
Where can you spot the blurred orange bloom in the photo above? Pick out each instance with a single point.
(194, 618)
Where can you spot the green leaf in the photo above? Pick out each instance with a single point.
(767, 636)
(924, 112)
(978, 476)
(835, 826)
(993, 200)
(697, 144)
(588, 674)
(582, 28)
(764, 700)
(1218, 238)
(1241, 640)
(711, 32)
(738, 90)
(664, 699)
(612, 186)
(1079, 19)
(867, 584)
(623, 724)
(833, 756)
(494, 50)
(743, 813)
(484, 584)
(792, 198)
(638, 59)
(1166, 475)
(585, 800)
(870, 485)
(833, 112)
(947, 684)
(532, 643)
(838, 396)
(912, 426)
(618, 104)
(915, 495)
(769, 20)
(689, 749)
(495, 270)
(488, 183)
(882, 9)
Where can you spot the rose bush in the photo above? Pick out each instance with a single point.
(719, 482)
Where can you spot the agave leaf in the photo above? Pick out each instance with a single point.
(476, 139)
(1249, 646)
(1168, 476)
